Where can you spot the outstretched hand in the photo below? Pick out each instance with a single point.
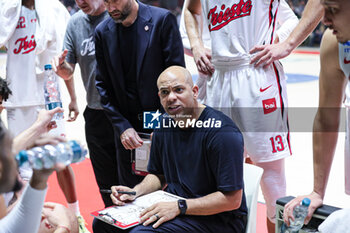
(44, 119)
(58, 61)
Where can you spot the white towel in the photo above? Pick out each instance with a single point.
(51, 27)
(337, 222)
(9, 16)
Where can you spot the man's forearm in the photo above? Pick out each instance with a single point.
(214, 203)
(71, 89)
(312, 15)
(324, 144)
(192, 27)
(28, 137)
(149, 184)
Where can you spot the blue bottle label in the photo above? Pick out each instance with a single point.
(53, 105)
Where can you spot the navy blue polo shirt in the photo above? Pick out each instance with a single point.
(198, 160)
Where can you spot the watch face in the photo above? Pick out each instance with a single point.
(182, 206)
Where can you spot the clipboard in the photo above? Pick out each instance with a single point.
(127, 216)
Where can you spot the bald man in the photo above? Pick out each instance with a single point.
(198, 153)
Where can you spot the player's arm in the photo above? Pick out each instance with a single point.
(65, 70)
(202, 56)
(332, 84)
(327, 120)
(312, 15)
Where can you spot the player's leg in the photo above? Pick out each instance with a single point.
(273, 186)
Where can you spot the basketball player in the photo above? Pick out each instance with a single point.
(255, 98)
(333, 85)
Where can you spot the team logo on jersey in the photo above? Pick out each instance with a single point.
(227, 14)
(269, 105)
(26, 45)
(346, 61)
(88, 47)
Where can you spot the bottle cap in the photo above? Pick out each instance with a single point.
(21, 157)
(306, 201)
(48, 67)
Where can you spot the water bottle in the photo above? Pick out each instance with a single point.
(46, 157)
(52, 92)
(299, 213)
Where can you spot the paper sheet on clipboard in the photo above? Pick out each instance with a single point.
(129, 215)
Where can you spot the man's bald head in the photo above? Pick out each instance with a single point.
(175, 72)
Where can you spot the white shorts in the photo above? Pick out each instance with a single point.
(347, 153)
(256, 100)
(21, 118)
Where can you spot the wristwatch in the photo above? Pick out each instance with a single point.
(182, 206)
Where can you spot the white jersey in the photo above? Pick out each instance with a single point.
(236, 26)
(344, 62)
(20, 69)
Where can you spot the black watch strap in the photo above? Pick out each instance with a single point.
(182, 206)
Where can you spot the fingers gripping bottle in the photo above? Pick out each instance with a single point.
(53, 99)
(51, 92)
(46, 157)
(299, 213)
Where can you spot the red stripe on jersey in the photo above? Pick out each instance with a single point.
(274, 23)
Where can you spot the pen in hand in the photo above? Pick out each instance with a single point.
(120, 192)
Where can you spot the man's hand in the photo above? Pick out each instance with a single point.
(159, 213)
(202, 57)
(268, 54)
(62, 68)
(44, 118)
(56, 215)
(73, 111)
(316, 201)
(130, 139)
(121, 199)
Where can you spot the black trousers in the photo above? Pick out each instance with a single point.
(181, 224)
(100, 140)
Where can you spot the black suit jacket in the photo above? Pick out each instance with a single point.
(159, 46)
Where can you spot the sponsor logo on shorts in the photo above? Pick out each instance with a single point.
(269, 105)
(227, 14)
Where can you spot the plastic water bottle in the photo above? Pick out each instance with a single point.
(46, 157)
(299, 213)
(52, 92)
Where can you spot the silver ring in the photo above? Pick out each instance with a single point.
(156, 215)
